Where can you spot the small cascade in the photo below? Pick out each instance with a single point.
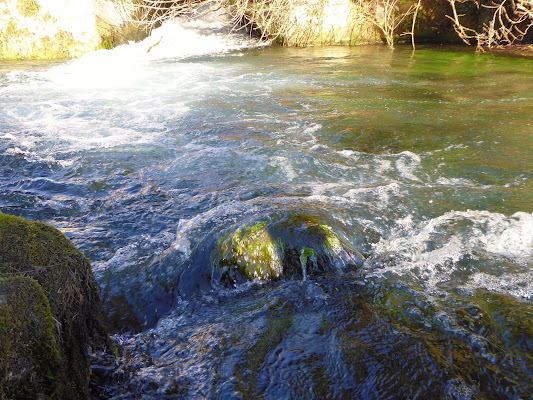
(303, 261)
(209, 33)
(307, 253)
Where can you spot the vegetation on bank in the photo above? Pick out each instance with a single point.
(37, 29)
(28, 29)
(50, 313)
(484, 23)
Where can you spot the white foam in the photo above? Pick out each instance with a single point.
(207, 34)
(312, 128)
(125, 96)
(508, 236)
(430, 250)
(285, 166)
(455, 182)
(349, 154)
(382, 193)
(123, 258)
(407, 163)
(515, 284)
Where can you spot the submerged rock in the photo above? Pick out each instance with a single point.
(290, 245)
(51, 312)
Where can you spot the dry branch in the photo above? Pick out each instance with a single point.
(297, 23)
(509, 23)
(386, 15)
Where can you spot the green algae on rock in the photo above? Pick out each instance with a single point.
(30, 365)
(477, 343)
(289, 245)
(41, 252)
(252, 251)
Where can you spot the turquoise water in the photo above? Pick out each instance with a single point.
(423, 162)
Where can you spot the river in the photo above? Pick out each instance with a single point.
(147, 154)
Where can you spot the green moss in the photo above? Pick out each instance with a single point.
(270, 338)
(482, 340)
(28, 8)
(283, 245)
(332, 242)
(252, 251)
(43, 253)
(305, 254)
(106, 42)
(30, 361)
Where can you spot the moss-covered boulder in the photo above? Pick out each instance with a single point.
(29, 348)
(288, 245)
(64, 277)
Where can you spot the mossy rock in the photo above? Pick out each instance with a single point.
(252, 251)
(30, 361)
(288, 245)
(40, 251)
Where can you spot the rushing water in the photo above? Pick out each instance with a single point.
(145, 155)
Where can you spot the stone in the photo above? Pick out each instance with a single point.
(57, 29)
(41, 258)
(288, 245)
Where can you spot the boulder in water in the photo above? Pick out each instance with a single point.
(290, 245)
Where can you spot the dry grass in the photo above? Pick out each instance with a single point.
(302, 22)
(290, 22)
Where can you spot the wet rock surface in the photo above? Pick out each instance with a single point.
(284, 245)
(336, 336)
(287, 245)
(51, 309)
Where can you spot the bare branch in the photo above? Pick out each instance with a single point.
(509, 23)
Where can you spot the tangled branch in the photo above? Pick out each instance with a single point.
(295, 22)
(270, 18)
(508, 24)
(387, 17)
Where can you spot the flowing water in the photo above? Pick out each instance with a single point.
(146, 155)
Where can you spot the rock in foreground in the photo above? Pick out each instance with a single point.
(50, 313)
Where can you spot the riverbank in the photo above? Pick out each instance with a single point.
(58, 29)
(521, 51)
